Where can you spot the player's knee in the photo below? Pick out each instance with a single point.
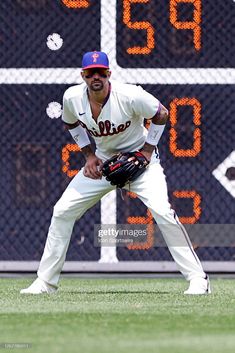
(60, 211)
(65, 212)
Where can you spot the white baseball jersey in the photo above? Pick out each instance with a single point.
(120, 125)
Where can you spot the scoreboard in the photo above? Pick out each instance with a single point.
(181, 51)
(175, 34)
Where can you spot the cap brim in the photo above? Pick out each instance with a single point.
(93, 66)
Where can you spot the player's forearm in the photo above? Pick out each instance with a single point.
(156, 129)
(80, 136)
(147, 148)
(87, 151)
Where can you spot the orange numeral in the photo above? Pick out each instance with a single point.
(190, 194)
(196, 148)
(75, 4)
(194, 25)
(150, 229)
(144, 25)
(66, 157)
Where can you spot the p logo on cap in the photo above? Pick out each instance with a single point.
(95, 59)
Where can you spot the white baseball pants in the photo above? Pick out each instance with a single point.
(82, 193)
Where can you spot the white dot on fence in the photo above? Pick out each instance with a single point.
(54, 110)
(54, 41)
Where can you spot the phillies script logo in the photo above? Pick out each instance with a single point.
(106, 128)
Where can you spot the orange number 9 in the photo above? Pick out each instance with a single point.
(191, 25)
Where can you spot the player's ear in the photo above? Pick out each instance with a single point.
(82, 74)
(109, 73)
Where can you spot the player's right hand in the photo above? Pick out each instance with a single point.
(92, 168)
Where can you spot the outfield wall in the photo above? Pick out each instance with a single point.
(183, 53)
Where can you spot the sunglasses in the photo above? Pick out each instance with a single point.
(89, 73)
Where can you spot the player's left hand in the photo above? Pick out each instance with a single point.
(124, 167)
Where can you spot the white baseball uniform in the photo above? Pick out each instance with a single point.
(119, 127)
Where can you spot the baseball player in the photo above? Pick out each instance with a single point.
(113, 114)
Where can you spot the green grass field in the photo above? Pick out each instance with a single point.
(119, 315)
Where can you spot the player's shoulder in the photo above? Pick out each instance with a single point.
(126, 89)
(75, 91)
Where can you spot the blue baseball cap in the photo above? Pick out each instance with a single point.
(95, 59)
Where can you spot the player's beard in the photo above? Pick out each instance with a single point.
(96, 85)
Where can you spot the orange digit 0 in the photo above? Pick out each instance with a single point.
(196, 148)
(75, 4)
(65, 158)
(144, 25)
(194, 25)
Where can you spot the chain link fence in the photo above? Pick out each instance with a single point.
(180, 51)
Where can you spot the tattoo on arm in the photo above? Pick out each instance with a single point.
(87, 151)
(161, 117)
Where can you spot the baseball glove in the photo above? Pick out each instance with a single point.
(124, 167)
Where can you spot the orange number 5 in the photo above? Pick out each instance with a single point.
(138, 26)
